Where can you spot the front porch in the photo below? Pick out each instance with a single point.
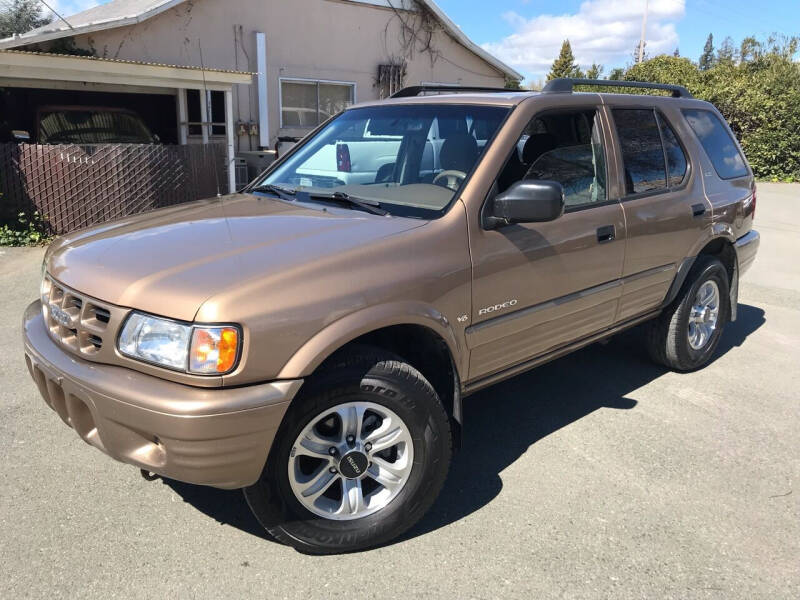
(182, 107)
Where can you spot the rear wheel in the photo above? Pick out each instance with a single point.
(360, 457)
(686, 334)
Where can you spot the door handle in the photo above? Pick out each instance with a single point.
(698, 210)
(606, 234)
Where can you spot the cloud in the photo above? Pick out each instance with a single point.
(602, 31)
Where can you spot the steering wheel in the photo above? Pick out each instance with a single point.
(453, 178)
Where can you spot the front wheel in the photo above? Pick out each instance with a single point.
(360, 457)
(686, 334)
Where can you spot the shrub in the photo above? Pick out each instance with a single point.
(28, 231)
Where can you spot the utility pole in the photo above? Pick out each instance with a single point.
(644, 30)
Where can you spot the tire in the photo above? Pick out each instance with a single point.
(385, 387)
(668, 336)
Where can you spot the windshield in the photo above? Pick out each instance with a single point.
(410, 159)
(92, 127)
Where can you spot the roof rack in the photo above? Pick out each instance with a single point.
(566, 85)
(416, 90)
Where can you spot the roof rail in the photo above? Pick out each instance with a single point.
(566, 85)
(416, 90)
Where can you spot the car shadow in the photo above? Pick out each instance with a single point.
(520, 411)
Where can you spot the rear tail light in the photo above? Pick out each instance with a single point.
(343, 158)
(753, 203)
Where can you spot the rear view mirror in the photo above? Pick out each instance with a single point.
(531, 201)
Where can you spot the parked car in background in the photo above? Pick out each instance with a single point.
(85, 125)
(310, 339)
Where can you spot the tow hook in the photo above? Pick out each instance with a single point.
(149, 475)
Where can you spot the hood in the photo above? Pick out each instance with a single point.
(170, 261)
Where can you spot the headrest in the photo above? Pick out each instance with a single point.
(536, 145)
(459, 153)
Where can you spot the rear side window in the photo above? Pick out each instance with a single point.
(717, 142)
(676, 159)
(642, 153)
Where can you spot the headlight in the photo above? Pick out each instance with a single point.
(192, 348)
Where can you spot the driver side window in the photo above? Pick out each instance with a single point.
(561, 146)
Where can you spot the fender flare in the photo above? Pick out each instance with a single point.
(719, 231)
(324, 343)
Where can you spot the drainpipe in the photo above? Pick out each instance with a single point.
(263, 112)
(230, 134)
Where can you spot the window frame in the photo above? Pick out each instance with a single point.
(599, 118)
(209, 124)
(317, 82)
(726, 128)
(659, 115)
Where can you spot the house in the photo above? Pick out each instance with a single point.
(309, 58)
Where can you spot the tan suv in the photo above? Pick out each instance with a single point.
(311, 338)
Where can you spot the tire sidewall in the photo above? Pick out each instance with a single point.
(712, 270)
(274, 503)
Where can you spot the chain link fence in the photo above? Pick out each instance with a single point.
(76, 186)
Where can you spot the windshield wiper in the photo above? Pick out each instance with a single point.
(370, 206)
(280, 192)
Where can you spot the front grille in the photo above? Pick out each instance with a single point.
(78, 322)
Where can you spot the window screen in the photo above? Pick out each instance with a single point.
(676, 159)
(642, 153)
(717, 142)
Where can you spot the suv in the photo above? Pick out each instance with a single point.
(312, 344)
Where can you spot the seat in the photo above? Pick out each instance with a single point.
(536, 145)
(459, 153)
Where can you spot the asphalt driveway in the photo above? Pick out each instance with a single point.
(598, 475)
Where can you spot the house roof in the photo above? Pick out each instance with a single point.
(120, 13)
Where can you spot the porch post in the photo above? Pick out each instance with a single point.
(204, 115)
(183, 125)
(230, 133)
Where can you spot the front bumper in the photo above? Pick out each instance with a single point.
(216, 437)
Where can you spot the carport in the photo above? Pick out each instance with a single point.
(165, 96)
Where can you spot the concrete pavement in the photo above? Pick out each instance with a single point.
(598, 475)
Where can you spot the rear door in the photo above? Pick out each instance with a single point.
(662, 198)
(539, 286)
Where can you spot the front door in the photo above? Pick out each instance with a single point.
(539, 286)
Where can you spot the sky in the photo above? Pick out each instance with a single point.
(527, 34)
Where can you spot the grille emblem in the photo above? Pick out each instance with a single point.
(60, 316)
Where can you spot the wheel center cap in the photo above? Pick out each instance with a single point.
(353, 464)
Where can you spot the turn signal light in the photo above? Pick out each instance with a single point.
(214, 349)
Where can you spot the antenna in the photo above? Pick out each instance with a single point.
(52, 10)
(208, 111)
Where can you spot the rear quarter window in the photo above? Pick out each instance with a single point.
(718, 143)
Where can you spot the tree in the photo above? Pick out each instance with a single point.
(564, 65)
(750, 49)
(726, 55)
(20, 16)
(707, 57)
(595, 72)
(617, 74)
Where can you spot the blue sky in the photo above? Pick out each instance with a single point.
(527, 34)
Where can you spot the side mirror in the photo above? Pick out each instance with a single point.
(533, 201)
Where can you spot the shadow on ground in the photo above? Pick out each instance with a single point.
(522, 411)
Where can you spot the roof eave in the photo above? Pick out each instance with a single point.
(55, 34)
(464, 40)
